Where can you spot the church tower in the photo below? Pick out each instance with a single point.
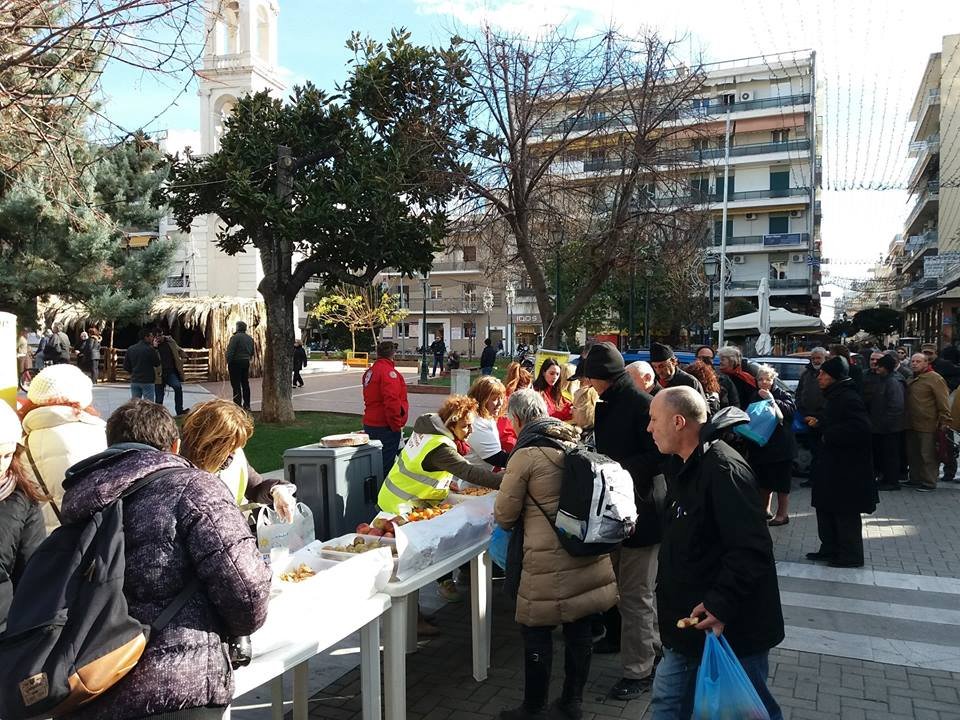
(240, 57)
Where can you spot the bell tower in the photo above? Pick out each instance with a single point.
(239, 58)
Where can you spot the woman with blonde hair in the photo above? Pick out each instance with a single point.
(584, 413)
(212, 438)
(487, 440)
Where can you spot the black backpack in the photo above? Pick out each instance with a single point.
(69, 635)
(597, 509)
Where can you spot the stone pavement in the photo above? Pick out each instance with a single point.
(878, 643)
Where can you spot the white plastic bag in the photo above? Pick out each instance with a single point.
(272, 532)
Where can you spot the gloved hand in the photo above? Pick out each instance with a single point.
(283, 501)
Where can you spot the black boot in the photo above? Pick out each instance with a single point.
(537, 665)
(576, 667)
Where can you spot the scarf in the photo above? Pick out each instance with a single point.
(8, 483)
(742, 375)
(536, 431)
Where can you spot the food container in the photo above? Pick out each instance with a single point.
(337, 556)
(345, 440)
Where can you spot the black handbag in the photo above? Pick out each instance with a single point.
(511, 581)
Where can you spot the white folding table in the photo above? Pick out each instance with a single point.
(291, 645)
(401, 621)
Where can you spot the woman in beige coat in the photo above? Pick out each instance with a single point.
(555, 587)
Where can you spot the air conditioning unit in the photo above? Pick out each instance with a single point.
(739, 259)
(798, 258)
(745, 95)
(796, 213)
(750, 216)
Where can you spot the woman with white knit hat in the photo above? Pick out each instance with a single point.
(60, 428)
(21, 522)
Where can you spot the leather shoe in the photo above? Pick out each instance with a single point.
(818, 556)
(629, 689)
(777, 523)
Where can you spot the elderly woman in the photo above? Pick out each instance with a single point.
(772, 463)
(213, 437)
(731, 366)
(430, 460)
(490, 442)
(555, 587)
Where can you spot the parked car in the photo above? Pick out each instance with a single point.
(789, 369)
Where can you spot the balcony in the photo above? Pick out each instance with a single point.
(928, 196)
(456, 266)
(615, 123)
(770, 240)
(451, 306)
(752, 149)
(711, 198)
(788, 284)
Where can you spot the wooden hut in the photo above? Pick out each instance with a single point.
(201, 325)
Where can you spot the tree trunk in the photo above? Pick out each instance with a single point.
(277, 404)
(353, 340)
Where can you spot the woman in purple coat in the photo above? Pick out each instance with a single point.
(182, 527)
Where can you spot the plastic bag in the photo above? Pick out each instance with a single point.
(724, 692)
(272, 532)
(763, 421)
(799, 425)
(499, 542)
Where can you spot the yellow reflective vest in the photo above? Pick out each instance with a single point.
(234, 476)
(408, 482)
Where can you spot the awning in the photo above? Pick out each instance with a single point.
(780, 321)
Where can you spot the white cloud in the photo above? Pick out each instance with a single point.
(179, 139)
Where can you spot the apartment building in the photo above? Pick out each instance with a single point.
(772, 181)
(930, 260)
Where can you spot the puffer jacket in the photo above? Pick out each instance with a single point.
(183, 526)
(555, 587)
(21, 532)
(57, 437)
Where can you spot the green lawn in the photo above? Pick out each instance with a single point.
(265, 449)
(499, 371)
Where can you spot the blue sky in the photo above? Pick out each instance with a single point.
(870, 54)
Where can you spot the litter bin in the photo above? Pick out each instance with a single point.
(339, 485)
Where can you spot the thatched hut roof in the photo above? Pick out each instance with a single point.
(214, 317)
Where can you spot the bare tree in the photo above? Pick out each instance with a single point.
(582, 149)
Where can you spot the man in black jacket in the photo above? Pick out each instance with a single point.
(143, 363)
(843, 485)
(620, 429)
(667, 367)
(716, 556)
(488, 358)
(439, 348)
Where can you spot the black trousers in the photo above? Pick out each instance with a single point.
(240, 382)
(297, 380)
(841, 536)
(538, 661)
(886, 458)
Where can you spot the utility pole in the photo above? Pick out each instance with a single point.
(723, 228)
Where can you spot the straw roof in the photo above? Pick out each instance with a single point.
(214, 317)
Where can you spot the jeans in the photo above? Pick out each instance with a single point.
(143, 390)
(171, 378)
(390, 441)
(240, 382)
(676, 680)
(437, 363)
(486, 371)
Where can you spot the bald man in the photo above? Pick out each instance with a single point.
(716, 557)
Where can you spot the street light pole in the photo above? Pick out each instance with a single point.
(488, 306)
(510, 295)
(424, 379)
(646, 310)
(723, 229)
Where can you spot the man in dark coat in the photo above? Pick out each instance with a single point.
(809, 406)
(439, 348)
(667, 368)
(620, 429)
(488, 358)
(843, 484)
(240, 352)
(716, 556)
(886, 406)
(184, 526)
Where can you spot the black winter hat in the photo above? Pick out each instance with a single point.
(659, 353)
(888, 363)
(836, 367)
(603, 362)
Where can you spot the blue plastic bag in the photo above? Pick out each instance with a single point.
(799, 424)
(499, 542)
(724, 692)
(763, 421)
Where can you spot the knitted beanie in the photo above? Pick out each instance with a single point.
(62, 384)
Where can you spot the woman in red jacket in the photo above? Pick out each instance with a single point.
(550, 383)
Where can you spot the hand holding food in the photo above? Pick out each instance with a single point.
(687, 622)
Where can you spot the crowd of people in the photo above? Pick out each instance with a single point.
(707, 496)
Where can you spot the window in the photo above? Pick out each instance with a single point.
(720, 140)
(701, 144)
(404, 294)
(779, 183)
(470, 253)
(779, 224)
(178, 281)
(469, 294)
(700, 103)
(781, 136)
(728, 99)
(730, 186)
(778, 266)
(469, 330)
(403, 330)
(718, 230)
(436, 292)
(700, 187)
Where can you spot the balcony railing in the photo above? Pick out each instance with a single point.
(774, 284)
(716, 107)
(464, 265)
(447, 305)
(769, 240)
(752, 149)
(704, 198)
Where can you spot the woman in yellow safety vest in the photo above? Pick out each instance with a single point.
(432, 458)
(212, 438)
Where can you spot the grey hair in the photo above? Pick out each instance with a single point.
(819, 351)
(526, 406)
(730, 353)
(686, 402)
(767, 371)
(641, 368)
